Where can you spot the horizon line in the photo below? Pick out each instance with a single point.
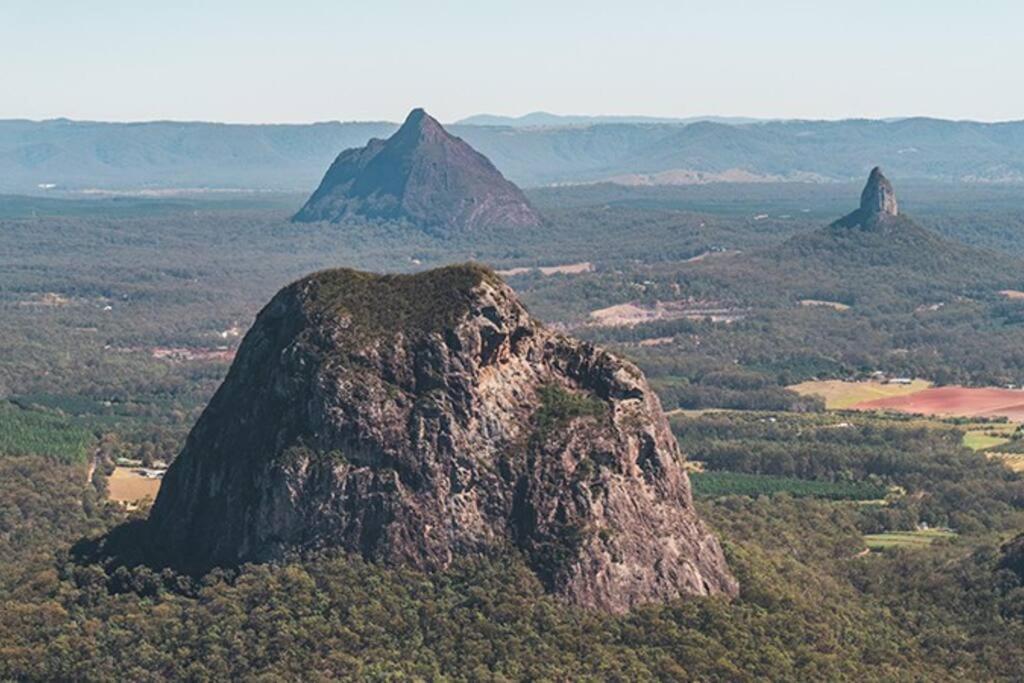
(596, 120)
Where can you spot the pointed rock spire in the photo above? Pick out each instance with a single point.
(877, 205)
(878, 197)
(418, 121)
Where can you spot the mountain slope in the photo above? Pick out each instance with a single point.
(874, 255)
(413, 419)
(421, 174)
(877, 235)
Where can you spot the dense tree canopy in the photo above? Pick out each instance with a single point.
(117, 329)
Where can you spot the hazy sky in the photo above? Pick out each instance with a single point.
(314, 60)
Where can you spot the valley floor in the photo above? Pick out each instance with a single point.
(868, 544)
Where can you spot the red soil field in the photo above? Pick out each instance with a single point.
(958, 401)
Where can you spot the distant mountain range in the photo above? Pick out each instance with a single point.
(70, 155)
(545, 119)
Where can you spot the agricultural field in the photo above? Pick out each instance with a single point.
(127, 485)
(918, 397)
(843, 395)
(33, 432)
(717, 484)
(955, 401)
(982, 437)
(906, 539)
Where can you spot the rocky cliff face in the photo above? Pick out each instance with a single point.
(423, 175)
(415, 418)
(878, 196)
(877, 203)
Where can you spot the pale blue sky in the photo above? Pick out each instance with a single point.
(313, 60)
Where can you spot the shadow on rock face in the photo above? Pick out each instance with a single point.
(415, 420)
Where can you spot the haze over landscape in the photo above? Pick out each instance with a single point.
(259, 62)
(328, 352)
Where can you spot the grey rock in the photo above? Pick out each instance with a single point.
(423, 175)
(415, 418)
(878, 196)
(878, 209)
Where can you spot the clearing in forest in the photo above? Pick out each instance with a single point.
(980, 437)
(826, 304)
(630, 314)
(906, 539)
(128, 485)
(566, 269)
(842, 394)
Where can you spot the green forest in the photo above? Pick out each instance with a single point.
(117, 331)
(724, 483)
(953, 610)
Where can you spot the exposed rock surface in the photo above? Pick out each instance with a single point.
(876, 256)
(415, 418)
(421, 174)
(878, 196)
(877, 203)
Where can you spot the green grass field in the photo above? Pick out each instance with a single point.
(906, 539)
(980, 440)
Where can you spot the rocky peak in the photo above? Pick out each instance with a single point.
(419, 128)
(878, 197)
(422, 175)
(878, 211)
(413, 419)
(418, 116)
(419, 120)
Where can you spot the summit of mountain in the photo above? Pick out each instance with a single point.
(423, 175)
(877, 234)
(878, 204)
(415, 419)
(876, 253)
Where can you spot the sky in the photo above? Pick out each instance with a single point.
(318, 60)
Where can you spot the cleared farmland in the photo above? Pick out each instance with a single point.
(920, 397)
(126, 485)
(906, 539)
(955, 401)
(841, 394)
(986, 437)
